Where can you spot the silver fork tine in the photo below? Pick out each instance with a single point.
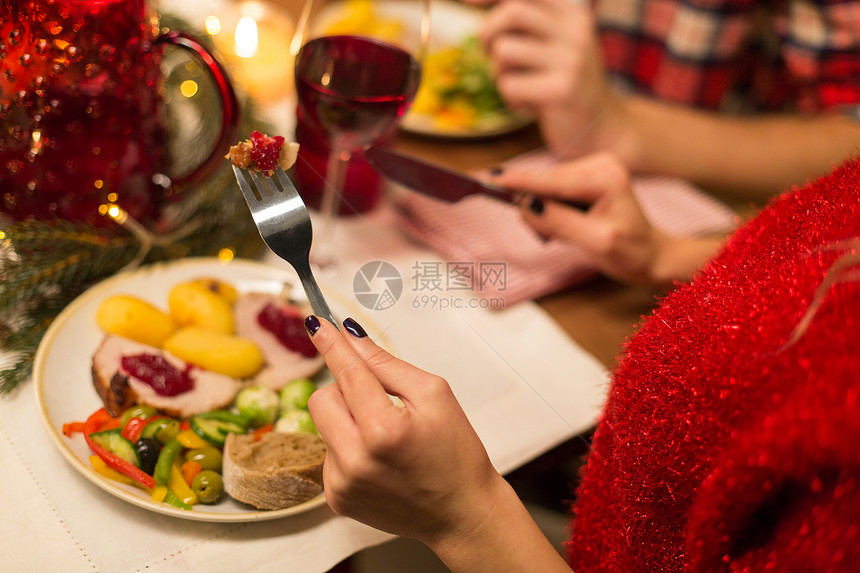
(268, 192)
(285, 225)
(243, 178)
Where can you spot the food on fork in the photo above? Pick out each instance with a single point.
(263, 153)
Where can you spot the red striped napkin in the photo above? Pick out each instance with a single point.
(510, 262)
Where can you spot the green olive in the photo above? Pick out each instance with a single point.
(168, 431)
(138, 411)
(209, 458)
(208, 486)
(161, 429)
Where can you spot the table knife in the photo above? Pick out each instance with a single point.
(433, 180)
(429, 179)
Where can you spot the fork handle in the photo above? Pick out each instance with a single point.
(314, 294)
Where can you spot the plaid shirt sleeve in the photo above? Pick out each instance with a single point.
(729, 54)
(820, 44)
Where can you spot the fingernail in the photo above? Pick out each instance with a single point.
(536, 206)
(496, 171)
(354, 328)
(312, 324)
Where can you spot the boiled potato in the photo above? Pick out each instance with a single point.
(216, 351)
(134, 318)
(220, 287)
(194, 304)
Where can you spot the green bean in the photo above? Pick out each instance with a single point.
(175, 501)
(165, 460)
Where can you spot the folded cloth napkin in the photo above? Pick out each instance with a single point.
(511, 263)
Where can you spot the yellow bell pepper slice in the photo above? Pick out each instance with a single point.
(190, 440)
(159, 493)
(177, 485)
(102, 469)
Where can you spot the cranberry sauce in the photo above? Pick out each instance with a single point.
(265, 150)
(163, 377)
(288, 327)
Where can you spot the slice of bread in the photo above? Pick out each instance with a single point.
(278, 471)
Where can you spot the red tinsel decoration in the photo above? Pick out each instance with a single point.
(722, 446)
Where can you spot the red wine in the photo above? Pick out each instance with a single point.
(354, 88)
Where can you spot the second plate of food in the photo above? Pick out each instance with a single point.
(457, 97)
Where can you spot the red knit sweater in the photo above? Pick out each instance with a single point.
(720, 449)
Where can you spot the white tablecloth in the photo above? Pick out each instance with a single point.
(524, 384)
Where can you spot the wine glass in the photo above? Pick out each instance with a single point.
(357, 68)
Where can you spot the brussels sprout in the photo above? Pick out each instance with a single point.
(259, 404)
(295, 395)
(298, 421)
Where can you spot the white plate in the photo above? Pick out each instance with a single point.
(450, 24)
(64, 390)
(423, 124)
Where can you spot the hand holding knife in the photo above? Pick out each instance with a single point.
(438, 182)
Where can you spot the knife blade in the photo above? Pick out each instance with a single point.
(430, 179)
(436, 181)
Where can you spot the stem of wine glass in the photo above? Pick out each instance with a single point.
(338, 160)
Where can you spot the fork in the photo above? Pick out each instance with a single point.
(285, 226)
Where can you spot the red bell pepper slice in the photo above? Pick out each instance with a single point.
(258, 433)
(101, 420)
(72, 427)
(134, 427)
(98, 421)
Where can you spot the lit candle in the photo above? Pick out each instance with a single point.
(254, 38)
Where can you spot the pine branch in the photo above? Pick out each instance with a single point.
(18, 373)
(40, 255)
(21, 339)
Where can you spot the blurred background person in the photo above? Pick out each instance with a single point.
(743, 98)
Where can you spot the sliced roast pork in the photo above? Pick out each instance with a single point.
(277, 327)
(126, 372)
